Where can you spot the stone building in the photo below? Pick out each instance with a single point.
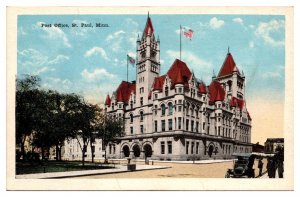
(274, 144)
(175, 116)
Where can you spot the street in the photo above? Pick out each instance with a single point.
(178, 170)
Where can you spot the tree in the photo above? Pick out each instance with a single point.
(26, 94)
(109, 129)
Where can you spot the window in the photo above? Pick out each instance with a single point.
(180, 101)
(131, 118)
(169, 147)
(163, 109)
(192, 126)
(197, 127)
(203, 126)
(170, 124)
(131, 104)
(155, 125)
(163, 125)
(141, 116)
(155, 96)
(187, 144)
(162, 147)
(166, 91)
(219, 130)
(187, 125)
(192, 148)
(180, 90)
(170, 106)
(141, 100)
(197, 147)
(142, 128)
(179, 108)
(179, 122)
(113, 106)
(120, 106)
(131, 130)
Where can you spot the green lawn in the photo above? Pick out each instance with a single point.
(55, 166)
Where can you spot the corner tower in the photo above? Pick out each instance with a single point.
(148, 62)
(232, 80)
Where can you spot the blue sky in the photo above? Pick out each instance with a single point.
(92, 61)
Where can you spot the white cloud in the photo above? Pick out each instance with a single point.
(21, 31)
(238, 20)
(58, 59)
(251, 44)
(99, 73)
(191, 59)
(252, 26)
(31, 61)
(43, 70)
(54, 33)
(274, 74)
(215, 23)
(114, 35)
(266, 29)
(96, 50)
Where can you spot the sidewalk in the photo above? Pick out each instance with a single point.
(183, 162)
(118, 169)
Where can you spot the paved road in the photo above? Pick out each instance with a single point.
(177, 170)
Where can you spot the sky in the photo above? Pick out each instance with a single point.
(91, 61)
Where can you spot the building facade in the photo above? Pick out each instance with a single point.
(274, 144)
(175, 116)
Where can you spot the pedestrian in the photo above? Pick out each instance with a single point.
(260, 166)
(280, 168)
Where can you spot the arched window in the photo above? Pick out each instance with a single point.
(163, 109)
(170, 106)
(131, 118)
(141, 116)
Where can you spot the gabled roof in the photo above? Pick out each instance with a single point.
(107, 100)
(159, 82)
(216, 92)
(249, 117)
(235, 102)
(149, 30)
(228, 66)
(179, 73)
(202, 88)
(124, 90)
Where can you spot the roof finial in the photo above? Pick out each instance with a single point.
(228, 50)
(148, 14)
(214, 75)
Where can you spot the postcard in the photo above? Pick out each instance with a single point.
(150, 98)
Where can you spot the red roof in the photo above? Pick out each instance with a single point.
(228, 66)
(107, 100)
(202, 88)
(216, 92)
(235, 102)
(179, 73)
(159, 82)
(148, 28)
(124, 90)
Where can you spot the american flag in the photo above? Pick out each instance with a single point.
(188, 33)
(130, 60)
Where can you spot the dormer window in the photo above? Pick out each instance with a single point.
(166, 91)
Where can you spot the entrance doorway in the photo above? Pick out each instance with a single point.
(126, 151)
(148, 150)
(136, 150)
(210, 150)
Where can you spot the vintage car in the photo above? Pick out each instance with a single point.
(242, 166)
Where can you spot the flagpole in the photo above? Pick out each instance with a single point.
(180, 42)
(127, 68)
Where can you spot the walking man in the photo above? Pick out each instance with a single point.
(260, 166)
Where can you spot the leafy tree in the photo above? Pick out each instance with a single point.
(26, 94)
(109, 129)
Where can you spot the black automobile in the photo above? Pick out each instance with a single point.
(242, 166)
